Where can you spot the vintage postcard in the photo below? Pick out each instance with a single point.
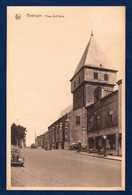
(66, 98)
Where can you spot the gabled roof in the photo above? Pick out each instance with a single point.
(93, 56)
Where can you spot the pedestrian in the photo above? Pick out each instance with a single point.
(104, 146)
(99, 146)
(79, 146)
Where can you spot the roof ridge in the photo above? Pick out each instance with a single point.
(84, 56)
(93, 56)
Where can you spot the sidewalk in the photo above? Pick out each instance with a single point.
(110, 157)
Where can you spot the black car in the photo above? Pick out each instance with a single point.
(73, 146)
(16, 158)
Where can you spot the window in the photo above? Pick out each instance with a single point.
(91, 123)
(95, 75)
(77, 120)
(60, 124)
(66, 123)
(106, 77)
(91, 143)
(110, 118)
(98, 121)
(111, 142)
(84, 116)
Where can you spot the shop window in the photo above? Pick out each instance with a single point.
(77, 120)
(91, 143)
(111, 142)
(98, 140)
(106, 77)
(95, 75)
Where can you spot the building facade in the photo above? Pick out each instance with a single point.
(96, 109)
(103, 120)
(57, 136)
(92, 71)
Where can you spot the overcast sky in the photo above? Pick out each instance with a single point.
(43, 53)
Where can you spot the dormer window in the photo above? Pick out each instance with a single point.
(95, 75)
(106, 77)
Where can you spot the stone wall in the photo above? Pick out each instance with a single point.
(88, 76)
(102, 108)
(77, 80)
(103, 119)
(78, 98)
(78, 131)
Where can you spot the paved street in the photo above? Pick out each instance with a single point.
(58, 168)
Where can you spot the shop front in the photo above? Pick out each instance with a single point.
(97, 144)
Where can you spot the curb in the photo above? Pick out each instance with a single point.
(107, 158)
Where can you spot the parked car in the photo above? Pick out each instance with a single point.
(16, 158)
(84, 149)
(34, 146)
(73, 146)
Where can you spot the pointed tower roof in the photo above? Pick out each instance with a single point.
(93, 56)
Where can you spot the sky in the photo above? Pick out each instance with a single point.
(42, 55)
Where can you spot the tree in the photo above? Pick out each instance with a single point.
(18, 135)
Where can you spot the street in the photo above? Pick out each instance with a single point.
(61, 168)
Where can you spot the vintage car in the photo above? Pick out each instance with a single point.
(16, 157)
(73, 146)
(34, 146)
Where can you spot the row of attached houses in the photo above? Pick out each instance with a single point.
(57, 136)
(97, 108)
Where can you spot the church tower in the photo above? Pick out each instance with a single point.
(94, 70)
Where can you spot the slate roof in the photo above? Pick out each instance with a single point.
(93, 56)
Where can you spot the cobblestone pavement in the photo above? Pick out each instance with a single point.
(58, 168)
